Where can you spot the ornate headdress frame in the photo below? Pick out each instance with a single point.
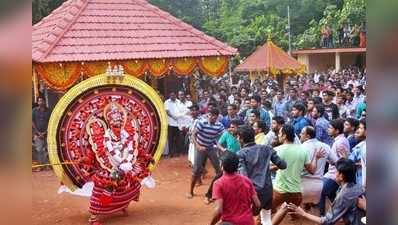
(72, 95)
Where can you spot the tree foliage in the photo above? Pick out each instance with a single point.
(246, 24)
(351, 12)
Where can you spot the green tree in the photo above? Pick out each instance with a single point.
(189, 11)
(40, 9)
(351, 12)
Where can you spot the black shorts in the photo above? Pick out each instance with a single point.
(265, 197)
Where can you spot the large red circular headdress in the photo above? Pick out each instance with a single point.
(105, 115)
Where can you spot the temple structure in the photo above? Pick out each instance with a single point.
(84, 38)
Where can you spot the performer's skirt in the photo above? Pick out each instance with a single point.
(120, 199)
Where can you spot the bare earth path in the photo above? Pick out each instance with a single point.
(164, 205)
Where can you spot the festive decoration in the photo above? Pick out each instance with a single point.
(184, 66)
(270, 59)
(214, 66)
(135, 67)
(94, 68)
(158, 67)
(35, 86)
(59, 76)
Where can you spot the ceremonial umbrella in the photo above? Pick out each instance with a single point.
(269, 59)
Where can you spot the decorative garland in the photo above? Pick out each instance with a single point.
(61, 76)
(113, 177)
(94, 68)
(159, 67)
(136, 67)
(214, 66)
(58, 76)
(35, 86)
(184, 66)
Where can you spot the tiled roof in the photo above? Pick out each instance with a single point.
(88, 30)
(266, 57)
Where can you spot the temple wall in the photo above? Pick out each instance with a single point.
(321, 62)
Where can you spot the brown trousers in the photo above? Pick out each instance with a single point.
(278, 198)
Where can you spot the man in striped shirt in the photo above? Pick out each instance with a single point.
(205, 136)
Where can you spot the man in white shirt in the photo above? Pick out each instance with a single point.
(172, 106)
(184, 120)
(231, 97)
(311, 184)
(354, 80)
(184, 101)
(316, 77)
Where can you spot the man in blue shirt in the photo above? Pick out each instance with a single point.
(299, 121)
(350, 125)
(279, 106)
(205, 136)
(232, 111)
(321, 125)
(255, 102)
(358, 150)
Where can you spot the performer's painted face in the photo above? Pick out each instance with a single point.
(116, 120)
(116, 117)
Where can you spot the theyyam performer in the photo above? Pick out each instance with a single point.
(105, 137)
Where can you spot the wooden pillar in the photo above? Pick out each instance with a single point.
(35, 85)
(305, 59)
(193, 83)
(281, 78)
(337, 62)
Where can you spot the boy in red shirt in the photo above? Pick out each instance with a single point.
(234, 195)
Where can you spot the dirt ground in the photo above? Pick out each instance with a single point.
(164, 205)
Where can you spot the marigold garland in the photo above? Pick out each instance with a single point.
(58, 76)
(135, 67)
(94, 68)
(158, 67)
(61, 76)
(184, 66)
(214, 65)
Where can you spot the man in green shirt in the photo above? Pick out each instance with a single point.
(228, 141)
(287, 186)
(228, 144)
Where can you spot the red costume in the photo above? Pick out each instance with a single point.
(120, 162)
(110, 135)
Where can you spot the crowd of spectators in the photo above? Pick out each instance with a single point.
(297, 145)
(348, 36)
